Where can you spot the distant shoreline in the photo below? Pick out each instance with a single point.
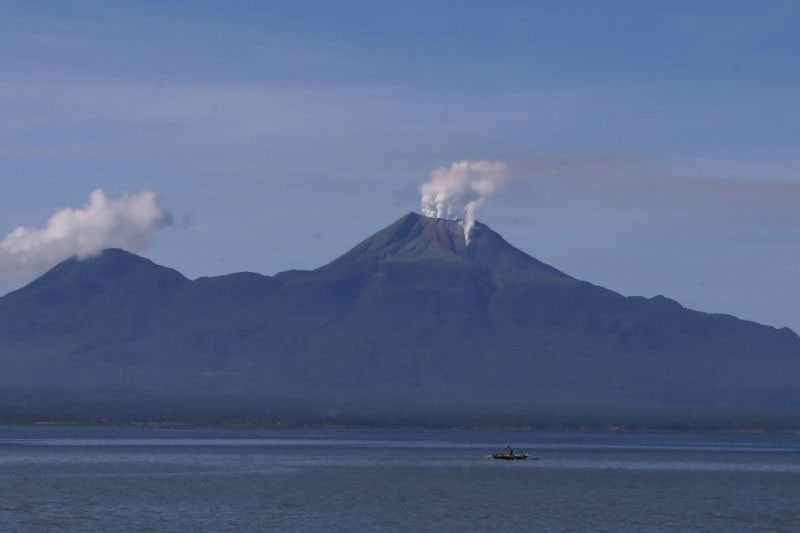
(619, 430)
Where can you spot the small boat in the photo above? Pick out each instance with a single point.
(511, 456)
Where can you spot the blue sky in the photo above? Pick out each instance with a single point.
(653, 145)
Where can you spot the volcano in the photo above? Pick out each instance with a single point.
(411, 326)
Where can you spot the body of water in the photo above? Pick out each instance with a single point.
(109, 479)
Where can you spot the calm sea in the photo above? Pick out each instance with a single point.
(101, 479)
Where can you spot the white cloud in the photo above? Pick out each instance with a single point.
(127, 221)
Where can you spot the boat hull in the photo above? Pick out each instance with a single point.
(507, 457)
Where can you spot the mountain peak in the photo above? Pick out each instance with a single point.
(415, 237)
(112, 267)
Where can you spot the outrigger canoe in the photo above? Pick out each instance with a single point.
(511, 457)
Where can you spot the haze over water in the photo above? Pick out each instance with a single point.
(108, 479)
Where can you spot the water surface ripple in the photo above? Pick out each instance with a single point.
(122, 479)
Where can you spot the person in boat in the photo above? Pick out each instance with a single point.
(510, 451)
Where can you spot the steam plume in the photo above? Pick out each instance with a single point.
(463, 186)
(127, 221)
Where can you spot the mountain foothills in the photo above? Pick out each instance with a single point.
(412, 326)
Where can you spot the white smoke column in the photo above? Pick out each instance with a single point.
(127, 221)
(462, 187)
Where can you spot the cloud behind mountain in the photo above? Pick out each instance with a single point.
(127, 221)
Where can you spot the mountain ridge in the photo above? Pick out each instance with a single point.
(410, 324)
